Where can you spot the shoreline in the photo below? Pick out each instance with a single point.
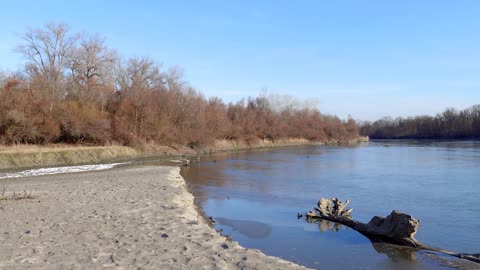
(122, 218)
(201, 215)
(31, 156)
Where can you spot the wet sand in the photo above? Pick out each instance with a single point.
(127, 218)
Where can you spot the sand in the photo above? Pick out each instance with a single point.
(128, 218)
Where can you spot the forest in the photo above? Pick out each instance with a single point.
(450, 124)
(74, 89)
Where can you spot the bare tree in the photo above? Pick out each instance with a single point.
(173, 78)
(92, 62)
(136, 81)
(47, 51)
(140, 74)
(286, 103)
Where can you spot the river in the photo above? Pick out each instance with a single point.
(255, 197)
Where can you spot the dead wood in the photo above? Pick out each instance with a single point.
(397, 228)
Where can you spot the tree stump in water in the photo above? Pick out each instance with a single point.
(397, 228)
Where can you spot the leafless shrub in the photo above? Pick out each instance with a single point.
(22, 196)
(2, 194)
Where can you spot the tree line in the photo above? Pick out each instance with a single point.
(450, 124)
(73, 88)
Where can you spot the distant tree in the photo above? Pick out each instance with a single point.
(451, 123)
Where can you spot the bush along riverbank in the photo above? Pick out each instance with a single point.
(133, 101)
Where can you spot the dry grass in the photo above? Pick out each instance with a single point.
(25, 195)
(29, 156)
(29, 148)
(259, 143)
(26, 156)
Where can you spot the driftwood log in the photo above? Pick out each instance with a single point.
(397, 228)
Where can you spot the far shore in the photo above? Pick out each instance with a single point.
(34, 156)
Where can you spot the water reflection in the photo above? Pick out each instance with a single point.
(249, 228)
(236, 174)
(394, 252)
(326, 225)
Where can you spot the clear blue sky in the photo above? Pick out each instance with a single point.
(364, 58)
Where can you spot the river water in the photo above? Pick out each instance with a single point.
(255, 197)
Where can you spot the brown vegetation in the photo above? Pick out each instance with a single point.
(451, 124)
(74, 89)
(26, 195)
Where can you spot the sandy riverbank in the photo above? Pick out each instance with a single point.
(129, 218)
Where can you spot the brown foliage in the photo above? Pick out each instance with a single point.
(22, 118)
(89, 96)
(83, 123)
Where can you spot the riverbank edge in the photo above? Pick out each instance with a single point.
(202, 217)
(16, 158)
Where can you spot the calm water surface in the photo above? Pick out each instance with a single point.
(255, 196)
